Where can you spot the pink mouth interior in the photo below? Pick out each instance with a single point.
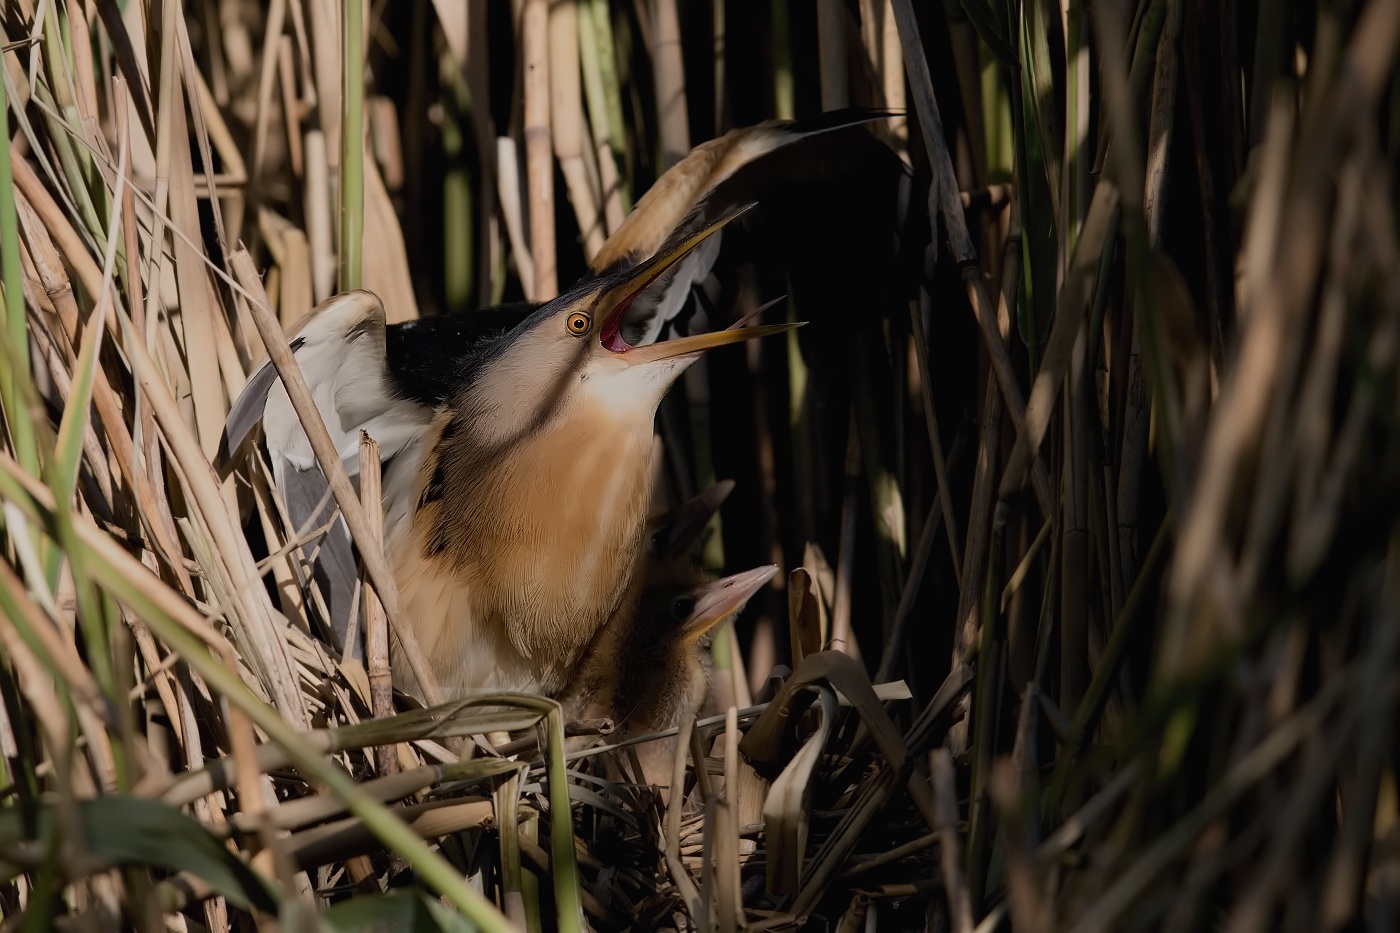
(611, 334)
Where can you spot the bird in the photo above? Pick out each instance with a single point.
(516, 441)
(531, 497)
(675, 533)
(650, 668)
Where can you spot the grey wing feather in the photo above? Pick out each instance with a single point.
(340, 349)
(309, 507)
(247, 411)
(663, 301)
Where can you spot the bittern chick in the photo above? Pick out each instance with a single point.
(668, 570)
(676, 534)
(649, 669)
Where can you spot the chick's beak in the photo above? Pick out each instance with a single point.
(676, 532)
(715, 602)
(618, 299)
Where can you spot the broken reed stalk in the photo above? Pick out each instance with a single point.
(539, 161)
(381, 683)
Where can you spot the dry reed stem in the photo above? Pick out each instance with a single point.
(728, 904)
(286, 82)
(1072, 311)
(477, 67)
(950, 854)
(679, 875)
(566, 121)
(210, 128)
(905, 610)
(295, 383)
(317, 192)
(539, 161)
(841, 639)
(323, 30)
(386, 271)
(665, 45)
(268, 69)
(831, 43)
(940, 464)
(949, 207)
(196, 312)
(508, 178)
(591, 51)
(381, 683)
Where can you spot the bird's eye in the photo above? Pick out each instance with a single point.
(682, 607)
(578, 323)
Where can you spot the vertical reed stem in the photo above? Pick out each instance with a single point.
(352, 147)
(16, 326)
(381, 684)
(539, 157)
(671, 108)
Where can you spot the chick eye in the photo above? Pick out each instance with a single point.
(682, 607)
(578, 323)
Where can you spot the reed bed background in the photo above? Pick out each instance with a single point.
(1085, 505)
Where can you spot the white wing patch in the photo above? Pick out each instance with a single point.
(343, 358)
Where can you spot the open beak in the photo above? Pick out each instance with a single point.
(699, 343)
(689, 346)
(621, 296)
(715, 602)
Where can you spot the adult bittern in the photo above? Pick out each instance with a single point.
(514, 515)
(517, 441)
(514, 541)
